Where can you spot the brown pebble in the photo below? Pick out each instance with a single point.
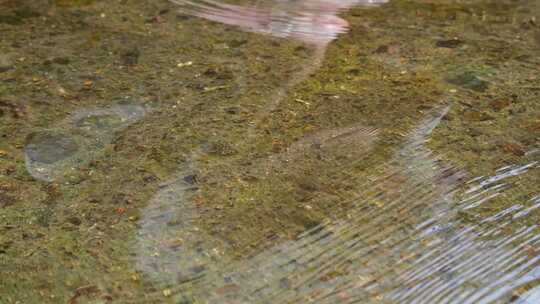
(498, 105)
(227, 288)
(477, 116)
(514, 148)
(450, 44)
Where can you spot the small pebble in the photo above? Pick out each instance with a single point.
(184, 64)
(450, 44)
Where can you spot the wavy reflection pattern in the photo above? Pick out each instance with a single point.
(404, 245)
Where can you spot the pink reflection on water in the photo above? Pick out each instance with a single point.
(312, 21)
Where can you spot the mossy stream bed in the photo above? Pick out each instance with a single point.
(147, 156)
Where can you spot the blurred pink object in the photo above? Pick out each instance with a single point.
(312, 21)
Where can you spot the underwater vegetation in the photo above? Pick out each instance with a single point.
(269, 151)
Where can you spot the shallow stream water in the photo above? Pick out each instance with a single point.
(307, 151)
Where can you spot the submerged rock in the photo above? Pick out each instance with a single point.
(6, 63)
(469, 80)
(50, 148)
(52, 152)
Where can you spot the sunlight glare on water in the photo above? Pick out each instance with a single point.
(313, 21)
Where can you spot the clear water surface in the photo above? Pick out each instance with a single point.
(280, 151)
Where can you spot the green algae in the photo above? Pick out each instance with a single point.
(71, 240)
(18, 16)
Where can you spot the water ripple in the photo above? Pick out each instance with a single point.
(414, 245)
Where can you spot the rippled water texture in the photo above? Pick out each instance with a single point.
(406, 245)
(284, 151)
